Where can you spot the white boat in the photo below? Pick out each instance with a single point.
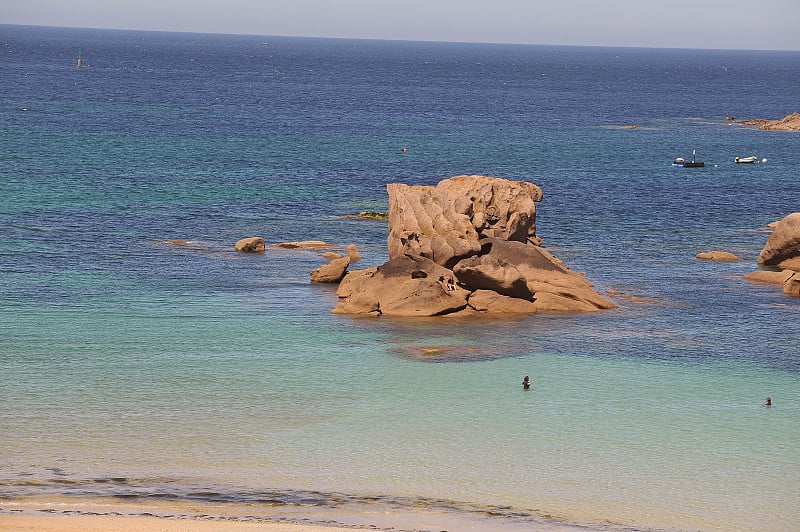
(746, 160)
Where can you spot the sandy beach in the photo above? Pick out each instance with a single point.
(87, 514)
(69, 523)
(91, 514)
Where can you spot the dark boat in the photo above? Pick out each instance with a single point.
(680, 161)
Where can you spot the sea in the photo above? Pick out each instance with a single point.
(143, 360)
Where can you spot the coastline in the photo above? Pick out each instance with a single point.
(98, 523)
(188, 383)
(99, 514)
(90, 513)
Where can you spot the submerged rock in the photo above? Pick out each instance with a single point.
(306, 244)
(769, 276)
(722, 256)
(373, 215)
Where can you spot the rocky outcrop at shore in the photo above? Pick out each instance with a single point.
(782, 249)
(466, 246)
(789, 280)
(782, 252)
(788, 123)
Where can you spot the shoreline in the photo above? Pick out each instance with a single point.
(89, 513)
(95, 514)
(98, 523)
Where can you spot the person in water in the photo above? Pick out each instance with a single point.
(768, 401)
(526, 383)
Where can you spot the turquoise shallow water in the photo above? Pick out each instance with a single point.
(134, 367)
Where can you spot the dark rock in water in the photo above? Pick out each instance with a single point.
(306, 244)
(373, 215)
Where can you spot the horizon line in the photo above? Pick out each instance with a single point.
(384, 39)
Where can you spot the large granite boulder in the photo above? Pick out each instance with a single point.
(552, 285)
(403, 286)
(466, 246)
(445, 223)
(782, 249)
(486, 301)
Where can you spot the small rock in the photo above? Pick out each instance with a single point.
(771, 277)
(722, 256)
(353, 253)
(253, 244)
(314, 244)
(783, 245)
(332, 272)
(792, 286)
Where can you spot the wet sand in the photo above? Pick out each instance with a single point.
(96, 523)
(92, 514)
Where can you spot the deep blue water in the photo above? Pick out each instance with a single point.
(211, 138)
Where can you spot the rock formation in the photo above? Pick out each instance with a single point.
(305, 244)
(403, 286)
(782, 249)
(721, 256)
(253, 244)
(788, 279)
(782, 253)
(787, 123)
(353, 253)
(467, 245)
(770, 276)
(333, 272)
(792, 286)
